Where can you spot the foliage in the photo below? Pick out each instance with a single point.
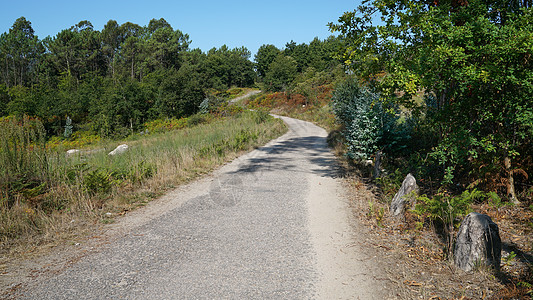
(40, 187)
(278, 69)
(472, 60)
(115, 79)
(369, 125)
(281, 72)
(98, 181)
(264, 57)
(165, 125)
(447, 209)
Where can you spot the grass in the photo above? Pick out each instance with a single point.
(46, 190)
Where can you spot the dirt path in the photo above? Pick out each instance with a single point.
(249, 94)
(271, 224)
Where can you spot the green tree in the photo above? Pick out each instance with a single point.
(472, 60)
(112, 39)
(20, 54)
(264, 57)
(164, 46)
(281, 72)
(132, 48)
(229, 67)
(299, 52)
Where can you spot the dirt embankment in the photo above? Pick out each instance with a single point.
(414, 260)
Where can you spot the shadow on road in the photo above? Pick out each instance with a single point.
(298, 154)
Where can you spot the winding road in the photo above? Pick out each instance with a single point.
(270, 225)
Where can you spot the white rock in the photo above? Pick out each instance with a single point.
(72, 152)
(119, 150)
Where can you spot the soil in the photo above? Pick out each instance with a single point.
(415, 261)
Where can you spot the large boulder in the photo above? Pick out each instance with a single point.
(407, 194)
(478, 243)
(119, 150)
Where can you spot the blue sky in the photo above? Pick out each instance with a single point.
(208, 23)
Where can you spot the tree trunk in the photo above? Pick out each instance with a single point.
(377, 165)
(510, 184)
(132, 67)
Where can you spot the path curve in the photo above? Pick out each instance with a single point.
(271, 224)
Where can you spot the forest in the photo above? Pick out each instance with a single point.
(113, 81)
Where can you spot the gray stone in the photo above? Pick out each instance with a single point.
(407, 193)
(119, 150)
(478, 243)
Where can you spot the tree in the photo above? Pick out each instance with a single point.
(164, 48)
(264, 57)
(300, 53)
(112, 38)
(20, 53)
(229, 67)
(132, 48)
(472, 60)
(281, 72)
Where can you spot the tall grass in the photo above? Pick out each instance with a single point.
(41, 190)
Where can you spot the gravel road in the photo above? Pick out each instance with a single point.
(270, 225)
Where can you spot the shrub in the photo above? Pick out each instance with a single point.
(98, 181)
(448, 210)
(369, 126)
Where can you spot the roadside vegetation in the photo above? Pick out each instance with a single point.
(46, 193)
(297, 81)
(442, 90)
(438, 89)
(88, 91)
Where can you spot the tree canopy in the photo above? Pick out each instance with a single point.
(472, 61)
(112, 80)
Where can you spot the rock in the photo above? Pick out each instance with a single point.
(119, 150)
(407, 193)
(72, 152)
(478, 243)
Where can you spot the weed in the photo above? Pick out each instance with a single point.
(98, 181)
(242, 138)
(391, 183)
(507, 261)
(494, 200)
(23, 159)
(447, 209)
(376, 213)
(260, 117)
(379, 216)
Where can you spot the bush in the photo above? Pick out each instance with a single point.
(448, 210)
(368, 124)
(98, 181)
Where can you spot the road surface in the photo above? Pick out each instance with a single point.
(270, 225)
